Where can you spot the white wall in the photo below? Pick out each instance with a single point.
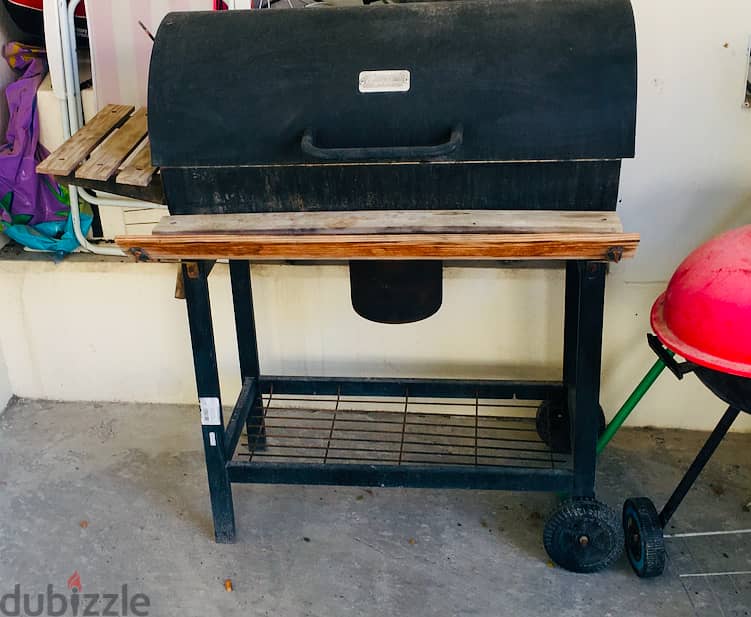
(691, 177)
(103, 331)
(113, 331)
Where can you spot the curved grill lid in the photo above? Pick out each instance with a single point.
(703, 314)
(491, 80)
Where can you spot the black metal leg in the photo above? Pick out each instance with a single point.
(570, 322)
(195, 276)
(247, 346)
(700, 461)
(584, 393)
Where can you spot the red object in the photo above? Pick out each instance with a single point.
(37, 5)
(705, 313)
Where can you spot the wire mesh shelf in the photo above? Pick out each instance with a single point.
(398, 431)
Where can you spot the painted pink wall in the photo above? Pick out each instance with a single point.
(121, 49)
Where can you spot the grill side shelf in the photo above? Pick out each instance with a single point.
(67, 157)
(610, 247)
(393, 222)
(111, 153)
(388, 235)
(137, 169)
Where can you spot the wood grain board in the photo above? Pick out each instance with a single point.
(110, 153)
(393, 222)
(563, 246)
(106, 159)
(138, 170)
(68, 156)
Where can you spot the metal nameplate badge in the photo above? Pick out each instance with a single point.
(384, 81)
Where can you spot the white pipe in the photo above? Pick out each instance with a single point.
(65, 119)
(68, 61)
(74, 57)
(72, 87)
(54, 47)
(121, 202)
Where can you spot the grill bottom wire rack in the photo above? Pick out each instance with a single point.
(398, 431)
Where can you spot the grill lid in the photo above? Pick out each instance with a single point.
(488, 80)
(703, 314)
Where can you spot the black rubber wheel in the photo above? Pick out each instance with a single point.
(645, 546)
(583, 535)
(553, 425)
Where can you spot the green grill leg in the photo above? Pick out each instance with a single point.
(630, 404)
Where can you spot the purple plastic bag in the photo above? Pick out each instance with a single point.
(36, 199)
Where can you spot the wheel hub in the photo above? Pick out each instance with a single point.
(634, 538)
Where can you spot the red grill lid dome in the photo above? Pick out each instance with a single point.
(705, 313)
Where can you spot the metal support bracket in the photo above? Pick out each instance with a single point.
(679, 369)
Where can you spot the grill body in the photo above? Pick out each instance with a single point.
(484, 104)
(732, 389)
(500, 104)
(543, 94)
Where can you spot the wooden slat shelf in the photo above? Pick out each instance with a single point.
(110, 153)
(387, 235)
(138, 170)
(106, 159)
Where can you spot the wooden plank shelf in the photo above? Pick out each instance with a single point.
(110, 153)
(394, 221)
(108, 158)
(499, 235)
(138, 170)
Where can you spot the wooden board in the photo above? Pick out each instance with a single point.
(67, 157)
(563, 246)
(106, 159)
(393, 222)
(138, 171)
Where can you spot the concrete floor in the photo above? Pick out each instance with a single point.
(118, 493)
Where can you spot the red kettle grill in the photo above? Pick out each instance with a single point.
(704, 316)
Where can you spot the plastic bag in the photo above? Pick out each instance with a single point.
(34, 209)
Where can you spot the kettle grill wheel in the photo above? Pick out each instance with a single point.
(645, 546)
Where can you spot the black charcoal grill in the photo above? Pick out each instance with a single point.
(476, 105)
(458, 105)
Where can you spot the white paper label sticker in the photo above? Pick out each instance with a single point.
(384, 81)
(210, 412)
(212, 438)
